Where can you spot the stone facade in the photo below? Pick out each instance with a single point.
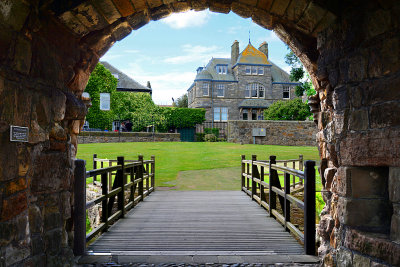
(350, 48)
(111, 137)
(250, 81)
(284, 133)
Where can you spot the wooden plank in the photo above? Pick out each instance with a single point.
(205, 223)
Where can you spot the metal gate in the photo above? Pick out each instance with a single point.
(187, 134)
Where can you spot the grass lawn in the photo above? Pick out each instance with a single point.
(190, 158)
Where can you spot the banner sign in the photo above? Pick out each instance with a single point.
(104, 101)
(19, 134)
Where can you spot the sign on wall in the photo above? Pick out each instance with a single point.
(19, 134)
(104, 101)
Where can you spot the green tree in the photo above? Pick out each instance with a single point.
(292, 110)
(297, 74)
(100, 81)
(181, 102)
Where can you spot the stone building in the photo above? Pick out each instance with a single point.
(240, 87)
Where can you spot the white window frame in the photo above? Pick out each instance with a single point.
(257, 87)
(260, 71)
(286, 89)
(248, 70)
(254, 70)
(220, 113)
(220, 87)
(206, 86)
(222, 69)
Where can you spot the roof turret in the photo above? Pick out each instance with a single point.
(203, 75)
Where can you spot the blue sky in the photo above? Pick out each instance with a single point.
(167, 52)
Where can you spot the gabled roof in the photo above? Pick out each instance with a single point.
(251, 55)
(211, 69)
(278, 74)
(125, 83)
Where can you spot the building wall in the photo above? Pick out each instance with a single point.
(111, 137)
(288, 133)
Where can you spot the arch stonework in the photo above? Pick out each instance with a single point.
(351, 49)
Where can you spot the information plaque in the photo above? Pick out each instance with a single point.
(19, 134)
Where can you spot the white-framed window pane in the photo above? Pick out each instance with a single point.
(247, 91)
(224, 114)
(254, 70)
(220, 90)
(286, 92)
(248, 70)
(206, 90)
(254, 88)
(261, 91)
(245, 114)
(254, 114)
(260, 70)
(217, 114)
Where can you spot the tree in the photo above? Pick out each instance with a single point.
(100, 81)
(297, 74)
(181, 102)
(292, 110)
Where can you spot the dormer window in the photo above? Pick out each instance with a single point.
(221, 69)
(199, 69)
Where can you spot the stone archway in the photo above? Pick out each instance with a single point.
(352, 51)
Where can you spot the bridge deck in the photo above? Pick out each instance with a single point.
(197, 223)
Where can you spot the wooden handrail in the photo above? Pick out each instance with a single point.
(258, 189)
(136, 176)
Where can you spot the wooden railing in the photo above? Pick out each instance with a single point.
(254, 184)
(129, 181)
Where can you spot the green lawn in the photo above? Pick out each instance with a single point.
(175, 157)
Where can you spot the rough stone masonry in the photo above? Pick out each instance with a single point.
(350, 48)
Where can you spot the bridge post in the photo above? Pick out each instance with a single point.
(272, 194)
(94, 167)
(243, 171)
(254, 171)
(262, 187)
(153, 171)
(140, 176)
(121, 178)
(287, 202)
(80, 208)
(104, 192)
(309, 207)
(301, 167)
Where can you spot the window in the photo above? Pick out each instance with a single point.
(253, 70)
(206, 89)
(220, 114)
(254, 90)
(245, 114)
(286, 92)
(254, 115)
(220, 90)
(261, 115)
(115, 76)
(222, 69)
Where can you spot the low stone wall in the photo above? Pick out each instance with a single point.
(112, 137)
(288, 133)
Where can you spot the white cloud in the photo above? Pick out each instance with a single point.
(165, 85)
(196, 53)
(187, 19)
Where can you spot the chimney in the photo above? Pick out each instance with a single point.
(264, 48)
(234, 52)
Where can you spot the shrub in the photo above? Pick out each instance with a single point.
(292, 110)
(210, 138)
(214, 131)
(220, 139)
(200, 137)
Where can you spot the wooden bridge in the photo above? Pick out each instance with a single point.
(184, 226)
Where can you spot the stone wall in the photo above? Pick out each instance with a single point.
(285, 133)
(350, 48)
(110, 137)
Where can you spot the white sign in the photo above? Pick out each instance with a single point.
(104, 101)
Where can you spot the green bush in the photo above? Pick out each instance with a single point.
(319, 203)
(182, 117)
(214, 131)
(210, 138)
(200, 137)
(220, 139)
(292, 110)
